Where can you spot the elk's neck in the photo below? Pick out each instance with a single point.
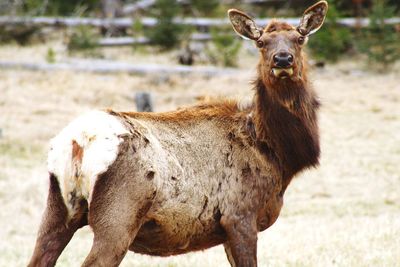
(286, 127)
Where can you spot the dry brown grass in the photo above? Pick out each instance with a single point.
(345, 213)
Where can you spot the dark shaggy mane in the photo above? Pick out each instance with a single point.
(287, 128)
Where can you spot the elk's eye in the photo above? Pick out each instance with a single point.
(301, 40)
(260, 43)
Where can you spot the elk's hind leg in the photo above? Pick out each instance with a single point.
(120, 200)
(56, 229)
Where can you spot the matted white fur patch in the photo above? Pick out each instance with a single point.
(97, 134)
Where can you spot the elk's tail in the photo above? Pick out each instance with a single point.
(83, 150)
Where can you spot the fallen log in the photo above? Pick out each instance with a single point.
(126, 41)
(150, 22)
(67, 21)
(111, 67)
(140, 5)
(122, 41)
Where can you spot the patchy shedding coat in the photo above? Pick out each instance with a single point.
(169, 183)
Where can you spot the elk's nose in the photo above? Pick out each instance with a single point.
(283, 60)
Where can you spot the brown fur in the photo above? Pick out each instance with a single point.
(56, 229)
(197, 177)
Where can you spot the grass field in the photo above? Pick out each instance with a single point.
(345, 213)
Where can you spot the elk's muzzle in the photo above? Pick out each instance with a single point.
(283, 65)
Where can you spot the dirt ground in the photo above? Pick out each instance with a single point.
(345, 213)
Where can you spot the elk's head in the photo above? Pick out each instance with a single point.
(280, 43)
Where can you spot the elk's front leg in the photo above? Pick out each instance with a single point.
(241, 245)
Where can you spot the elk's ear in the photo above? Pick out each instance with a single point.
(313, 18)
(244, 25)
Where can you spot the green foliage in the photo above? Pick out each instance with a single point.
(352, 8)
(166, 33)
(51, 55)
(83, 38)
(331, 41)
(137, 27)
(57, 7)
(18, 150)
(22, 35)
(225, 47)
(204, 8)
(380, 42)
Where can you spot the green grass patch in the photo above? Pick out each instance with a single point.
(17, 150)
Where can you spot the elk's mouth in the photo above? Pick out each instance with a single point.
(282, 73)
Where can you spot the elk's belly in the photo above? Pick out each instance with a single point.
(171, 238)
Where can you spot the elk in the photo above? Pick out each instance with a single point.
(169, 183)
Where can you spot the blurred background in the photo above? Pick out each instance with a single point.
(61, 58)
